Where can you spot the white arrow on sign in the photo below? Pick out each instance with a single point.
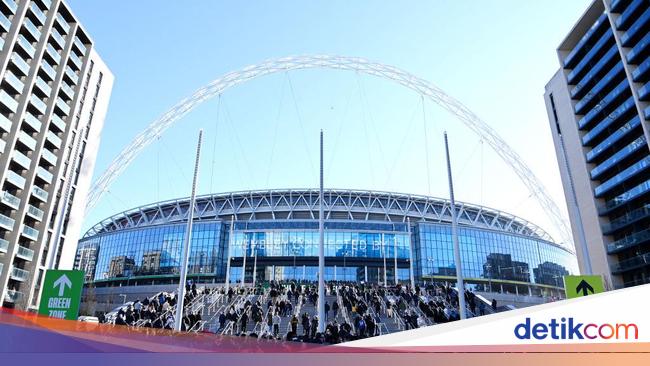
(62, 282)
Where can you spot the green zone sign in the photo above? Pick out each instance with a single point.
(580, 286)
(61, 294)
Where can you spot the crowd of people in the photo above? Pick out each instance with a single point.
(288, 310)
(158, 311)
(352, 310)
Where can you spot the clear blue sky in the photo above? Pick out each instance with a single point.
(494, 56)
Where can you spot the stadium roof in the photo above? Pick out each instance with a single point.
(302, 204)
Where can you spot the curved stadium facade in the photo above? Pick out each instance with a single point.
(367, 238)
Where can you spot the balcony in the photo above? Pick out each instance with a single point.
(644, 92)
(572, 57)
(3, 144)
(609, 120)
(38, 103)
(640, 49)
(43, 86)
(635, 31)
(33, 122)
(621, 88)
(7, 222)
(627, 219)
(38, 13)
(80, 45)
(641, 73)
(613, 138)
(54, 54)
(5, 23)
(72, 75)
(618, 157)
(26, 45)
(35, 213)
(623, 198)
(44, 174)
(19, 274)
(13, 296)
(25, 253)
(49, 70)
(639, 261)
(49, 156)
(581, 88)
(4, 246)
(8, 101)
(65, 108)
(27, 140)
(62, 22)
(11, 5)
(625, 20)
(67, 89)
(54, 139)
(29, 232)
(16, 84)
(40, 193)
(21, 159)
(33, 30)
(75, 60)
(22, 65)
(10, 200)
(58, 38)
(46, 3)
(583, 66)
(58, 122)
(15, 179)
(5, 123)
(590, 98)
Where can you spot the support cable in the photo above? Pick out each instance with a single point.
(366, 107)
(398, 154)
(214, 146)
(426, 146)
(275, 133)
(301, 124)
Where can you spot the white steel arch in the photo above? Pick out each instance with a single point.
(271, 66)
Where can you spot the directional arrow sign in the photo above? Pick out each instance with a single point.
(61, 294)
(579, 286)
(62, 283)
(585, 287)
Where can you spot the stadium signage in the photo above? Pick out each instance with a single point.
(61, 294)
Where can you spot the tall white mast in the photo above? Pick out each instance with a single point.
(454, 235)
(188, 239)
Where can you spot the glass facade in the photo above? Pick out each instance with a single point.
(354, 251)
(155, 250)
(491, 255)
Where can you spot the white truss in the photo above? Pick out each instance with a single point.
(302, 204)
(421, 86)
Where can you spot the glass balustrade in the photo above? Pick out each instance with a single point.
(29, 232)
(25, 253)
(19, 274)
(33, 121)
(7, 222)
(10, 200)
(40, 193)
(15, 179)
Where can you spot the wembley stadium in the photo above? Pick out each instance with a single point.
(372, 237)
